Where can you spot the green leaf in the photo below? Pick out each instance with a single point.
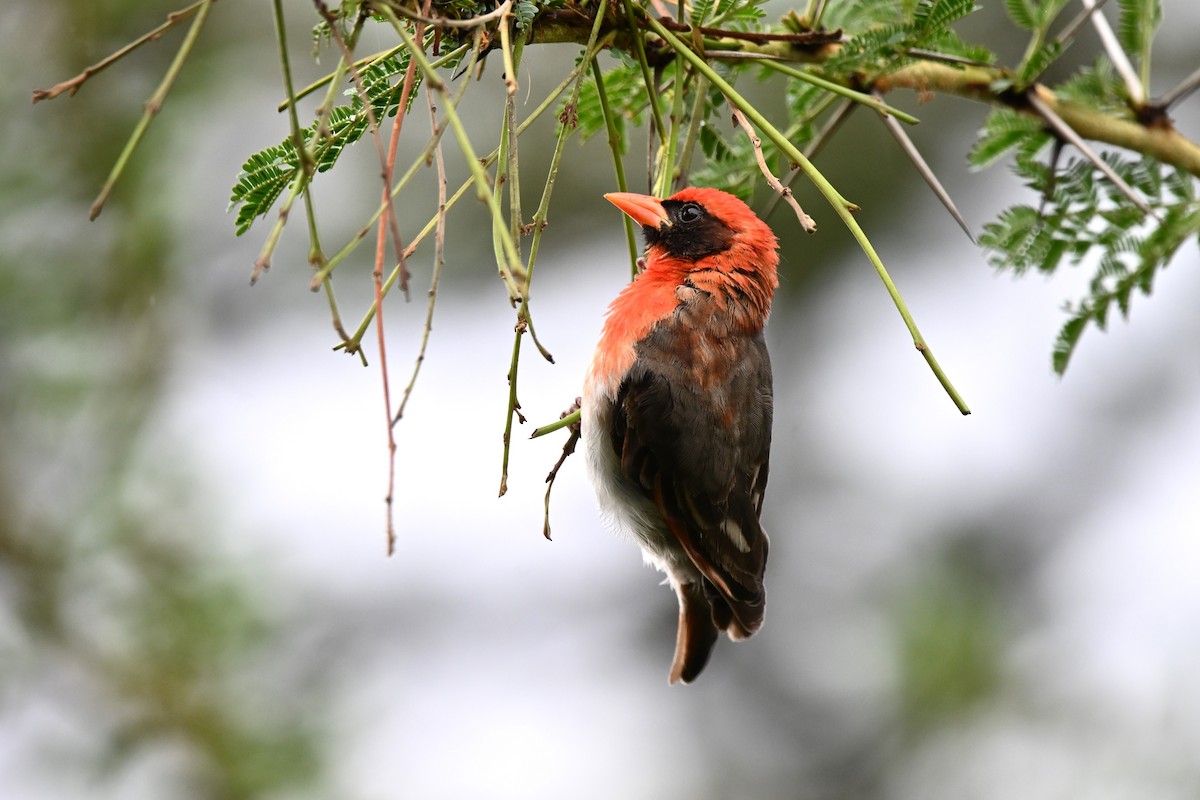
(934, 17)
(1037, 62)
(1137, 24)
(884, 46)
(737, 14)
(1097, 87)
(1068, 338)
(1003, 131)
(700, 11)
(524, 12)
(265, 174)
(259, 184)
(1023, 12)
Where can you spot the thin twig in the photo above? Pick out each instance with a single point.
(306, 155)
(742, 55)
(439, 260)
(506, 50)
(446, 22)
(739, 119)
(695, 120)
(946, 58)
(926, 173)
(812, 38)
(514, 405)
(385, 165)
(152, 107)
(377, 280)
(814, 147)
(72, 85)
(316, 254)
(639, 47)
(1066, 132)
(568, 449)
(614, 145)
(666, 177)
(566, 421)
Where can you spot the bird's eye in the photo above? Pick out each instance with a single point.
(689, 213)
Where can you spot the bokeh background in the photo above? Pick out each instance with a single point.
(194, 596)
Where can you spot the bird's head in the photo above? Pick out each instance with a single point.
(703, 228)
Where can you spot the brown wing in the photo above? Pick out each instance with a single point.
(694, 434)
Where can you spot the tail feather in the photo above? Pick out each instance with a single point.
(740, 620)
(697, 633)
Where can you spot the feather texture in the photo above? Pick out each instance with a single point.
(677, 411)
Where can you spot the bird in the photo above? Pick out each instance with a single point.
(677, 406)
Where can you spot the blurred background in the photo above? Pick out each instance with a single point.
(195, 600)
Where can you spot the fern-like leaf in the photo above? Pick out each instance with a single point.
(1138, 21)
(1003, 131)
(1086, 216)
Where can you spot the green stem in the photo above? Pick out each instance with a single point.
(614, 144)
(307, 155)
(513, 405)
(151, 108)
(316, 254)
(639, 46)
(693, 131)
(666, 175)
(566, 126)
(566, 421)
(840, 205)
(837, 88)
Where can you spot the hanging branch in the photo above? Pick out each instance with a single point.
(152, 106)
(73, 85)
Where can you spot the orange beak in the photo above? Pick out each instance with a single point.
(642, 208)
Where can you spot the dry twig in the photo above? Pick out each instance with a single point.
(806, 222)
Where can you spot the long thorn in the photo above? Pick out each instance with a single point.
(1065, 131)
(923, 168)
(1185, 87)
(1120, 61)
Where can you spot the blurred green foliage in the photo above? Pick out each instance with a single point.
(106, 557)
